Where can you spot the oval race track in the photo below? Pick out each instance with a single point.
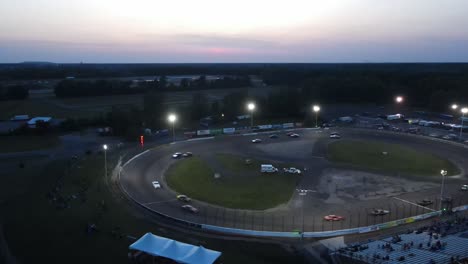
(302, 212)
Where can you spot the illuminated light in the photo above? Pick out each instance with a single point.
(251, 106)
(172, 118)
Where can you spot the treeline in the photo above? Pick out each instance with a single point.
(431, 87)
(14, 92)
(27, 71)
(79, 88)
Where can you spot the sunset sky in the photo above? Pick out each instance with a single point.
(234, 31)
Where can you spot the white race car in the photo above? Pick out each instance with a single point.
(156, 184)
(292, 170)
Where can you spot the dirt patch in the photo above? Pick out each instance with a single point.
(289, 149)
(342, 185)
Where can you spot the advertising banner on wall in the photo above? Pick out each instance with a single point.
(229, 130)
(265, 127)
(216, 131)
(204, 132)
(190, 134)
(288, 125)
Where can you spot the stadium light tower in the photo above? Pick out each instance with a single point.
(172, 119)
(105, 159)
(251, 108)
(316, 109)
(463, 111)
(443, 173)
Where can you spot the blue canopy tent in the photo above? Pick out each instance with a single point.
(177, 251)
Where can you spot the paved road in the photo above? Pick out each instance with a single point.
(302, 212)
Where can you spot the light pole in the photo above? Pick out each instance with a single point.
(443, 173)
(251, 108)
(454, 107)
(464, 111)
(316, 109)
(105, 159)
(172, 118)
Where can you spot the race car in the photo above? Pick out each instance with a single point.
(292, 170)
(257, 140)
(425, 202)
(177, 155)
(379, 212)
(183, 198)
(333, 218)
(189, 208)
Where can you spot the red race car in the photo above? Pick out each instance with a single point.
(333, 218)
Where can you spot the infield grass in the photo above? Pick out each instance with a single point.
(399, 159)
(246, 188)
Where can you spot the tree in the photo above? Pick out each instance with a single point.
(162, 83)
(154, 109)
(215, 108)
(199, 106)
(184, 83)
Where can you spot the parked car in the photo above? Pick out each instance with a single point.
(156, 184)
(187, 154)
(257, 140)
(189, 208)
(294, 135)
(464, 187)
(333, 218)
(273, 136)
(292, 170)
(335, 136)
(183, 198)
(379, 212)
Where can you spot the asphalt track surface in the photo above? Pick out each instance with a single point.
(302, 212)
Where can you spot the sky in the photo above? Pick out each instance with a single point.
(176, 31)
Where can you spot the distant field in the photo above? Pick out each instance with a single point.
(27, 143)
(400, 159)
(247, 188)
(88, 107)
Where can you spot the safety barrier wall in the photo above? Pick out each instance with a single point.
(360, 230)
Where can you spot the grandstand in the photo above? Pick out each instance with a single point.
(441, 242)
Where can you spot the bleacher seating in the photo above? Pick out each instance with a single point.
(432, 245)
